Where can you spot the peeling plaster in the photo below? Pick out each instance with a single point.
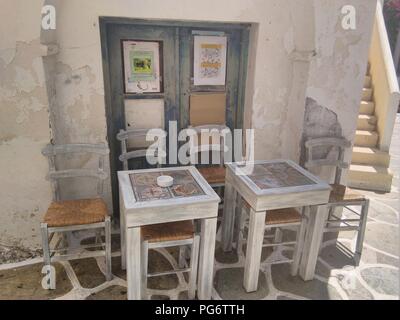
(24, 79)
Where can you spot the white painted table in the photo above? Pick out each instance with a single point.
(142, 202)
(275, 184)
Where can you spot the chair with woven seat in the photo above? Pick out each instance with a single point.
(65, 216)
(133, 147)
(275, 221)
(174, 234)
(340, 196)
(206, 114)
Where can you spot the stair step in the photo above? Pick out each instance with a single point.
(366, 94)
(366, 122)
(370, 156)
(375, 178)
(367, 107)
(365, 138)
(367, 82)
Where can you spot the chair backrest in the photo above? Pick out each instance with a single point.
(123, 136)
(207, 112)
(200, 147)
(207, 109)
(328, 142)
(55, 175)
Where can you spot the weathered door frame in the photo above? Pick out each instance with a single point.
(112, 98)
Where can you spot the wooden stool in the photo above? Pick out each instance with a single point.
(276, 219)
(166, 235)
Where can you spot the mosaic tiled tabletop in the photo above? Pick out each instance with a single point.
(145, 185)
(278, 175)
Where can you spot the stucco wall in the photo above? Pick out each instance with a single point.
(337, 73)
(24, 124)
(282, 44)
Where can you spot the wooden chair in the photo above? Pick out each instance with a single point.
(140, 152)
(340, 196)
(275, 220)
(206, 113)
(166, 235)
(74, 215)
(214, 174)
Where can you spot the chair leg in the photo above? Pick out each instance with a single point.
(298, 249)
(361, 231)
(194, 262)
(238, 219)
(182, 257)
(144, 258)
(109, 275)
(278, 235)
(240, 235)
(98, 239)
(50, 279)
(122, 240)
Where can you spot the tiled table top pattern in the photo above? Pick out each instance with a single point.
(278, 175)
(145, 185)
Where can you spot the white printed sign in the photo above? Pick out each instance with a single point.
(209, 60)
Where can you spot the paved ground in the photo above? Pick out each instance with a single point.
(377, 276)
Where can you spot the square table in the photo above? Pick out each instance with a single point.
(143, 202)
(275, 184)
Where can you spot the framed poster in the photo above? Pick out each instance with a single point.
(209, 60)
(141, 60)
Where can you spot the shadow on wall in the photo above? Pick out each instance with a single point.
(319, 122)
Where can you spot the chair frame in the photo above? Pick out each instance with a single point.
(298, 244)
(194, 244)
(54, 175)
(333, 222)
(200, 148)
(123, 137)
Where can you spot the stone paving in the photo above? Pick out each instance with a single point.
(377, 276)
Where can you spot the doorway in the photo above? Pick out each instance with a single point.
(171, 97)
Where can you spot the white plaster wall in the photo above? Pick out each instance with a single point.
(337, 73)
(24, 125)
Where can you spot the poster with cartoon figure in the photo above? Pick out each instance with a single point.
(141, 66)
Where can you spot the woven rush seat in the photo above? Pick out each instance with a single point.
(341, 193)
(75, 212)
(279, 216)
(213, 174)
(289, 215)
(171, 231)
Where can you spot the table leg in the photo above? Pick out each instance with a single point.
(315, 230)
(228, 217)
(254, 249)
(123, 240)
(206, 263)
(133, 271)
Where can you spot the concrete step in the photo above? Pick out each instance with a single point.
(365, 138)
(370, 156)
(374, 178)
(367, 94)
(367, 107)
(366, 122)
(367, 82)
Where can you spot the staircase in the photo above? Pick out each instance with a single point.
(369, 167)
